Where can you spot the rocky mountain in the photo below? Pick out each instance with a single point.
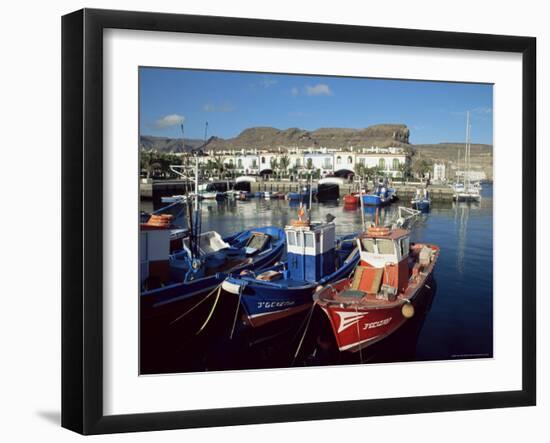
(164, 144)
(273, 138)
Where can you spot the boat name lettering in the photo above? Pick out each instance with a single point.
(376, 324)
(274, 304)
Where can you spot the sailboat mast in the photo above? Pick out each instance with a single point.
(467, 166)
(458, 167)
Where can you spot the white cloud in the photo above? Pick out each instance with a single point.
(295, 91)
(268, 82)
(318, 89)
(169, 120)
(224, 107)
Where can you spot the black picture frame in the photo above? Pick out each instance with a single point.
(82, 190)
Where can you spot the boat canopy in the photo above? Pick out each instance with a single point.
(380, 248)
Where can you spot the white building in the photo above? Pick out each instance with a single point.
(326, 162)
(439, 172)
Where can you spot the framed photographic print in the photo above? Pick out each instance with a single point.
(257, 215)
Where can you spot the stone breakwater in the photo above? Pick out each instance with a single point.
(439, 193)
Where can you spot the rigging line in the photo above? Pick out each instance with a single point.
(236, 313)
(194, 306)
(304, 334)
(211, 311)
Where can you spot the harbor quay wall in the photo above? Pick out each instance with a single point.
(404, 191)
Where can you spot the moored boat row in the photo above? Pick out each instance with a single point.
(366, 284)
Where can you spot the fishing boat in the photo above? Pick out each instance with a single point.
(421, 201)
(384, 289)
(209, 195)
(328, 189)
(314, 257)
(174, 199)
(232, 194)
(351, 199)
(382, 194)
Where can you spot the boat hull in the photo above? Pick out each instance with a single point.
(351, 200)
(265, 302)
(421, 205)
(375, 200)
(357, 324)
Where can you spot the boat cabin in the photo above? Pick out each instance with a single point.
(383, 270)
(310, 249)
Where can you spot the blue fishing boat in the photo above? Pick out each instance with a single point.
(421, 201)
(382, 194)
(314, 257)
(193, 270)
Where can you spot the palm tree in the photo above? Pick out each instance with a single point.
(422, 167)
(273, 163)
(219, 165)
(405, 170)
(360, 169)
(284, 162)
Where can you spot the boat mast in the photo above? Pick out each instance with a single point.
(183, 148)
(467, 154)
(361, 203)
(310, 193)
(458, 167)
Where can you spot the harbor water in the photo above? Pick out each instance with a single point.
(457, 322)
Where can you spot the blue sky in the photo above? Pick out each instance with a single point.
(233, 101)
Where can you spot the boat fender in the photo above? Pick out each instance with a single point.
(407, 310)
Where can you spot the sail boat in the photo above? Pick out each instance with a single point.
(467, 191)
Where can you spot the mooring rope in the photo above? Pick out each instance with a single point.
(304, 334)
(196, 305)
(236, 313)
(211, 311)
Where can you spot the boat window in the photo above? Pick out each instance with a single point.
(404, 247)
(291, 238)
(385, 246)
(309, 240)
(299, 238)
(368, 244)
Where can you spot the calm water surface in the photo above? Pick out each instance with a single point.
(459, 322)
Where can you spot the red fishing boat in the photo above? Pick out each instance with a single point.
(351, 199)
(383, 291)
